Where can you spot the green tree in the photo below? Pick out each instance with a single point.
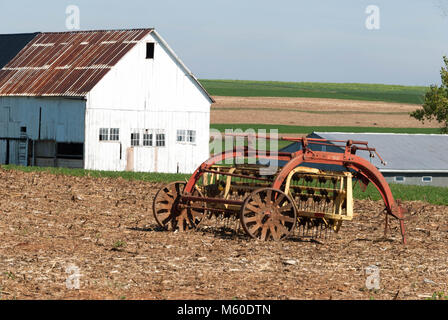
(435, 105)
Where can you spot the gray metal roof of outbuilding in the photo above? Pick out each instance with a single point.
(402, 152)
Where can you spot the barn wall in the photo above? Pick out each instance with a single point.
(174, 157)
(153, 94)
(62, 120)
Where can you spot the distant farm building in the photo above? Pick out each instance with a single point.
(102, 100)
(417, 159)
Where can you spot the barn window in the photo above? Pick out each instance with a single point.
(135, 139)
(191, 136)
(147, 139)
(181, 135)
(150, 50)
(427, 179)
(160, 139)
(104, 134)
(399, 179)
(186, 136)
(114, 134)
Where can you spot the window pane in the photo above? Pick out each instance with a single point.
(160, 140)
(147, 139)
(180, 135)
(114, 134)
(104, 134)
(135, 139)
(191, 137)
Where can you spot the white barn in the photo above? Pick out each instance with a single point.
(102, 100)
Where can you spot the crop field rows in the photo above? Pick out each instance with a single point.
(304, 115)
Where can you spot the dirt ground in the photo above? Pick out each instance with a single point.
(314, 112)
(52, 225)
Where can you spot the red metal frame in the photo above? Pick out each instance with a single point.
(365, 171)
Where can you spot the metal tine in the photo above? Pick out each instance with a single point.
(322, 204)
(216, 222)
(303, 229)
(321, 229)
(238, 225)
(310, 231)
(318, 230)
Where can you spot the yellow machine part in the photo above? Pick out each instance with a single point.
(232, 188)
(321, 194)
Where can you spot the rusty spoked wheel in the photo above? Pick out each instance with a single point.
(268, 213)
(169, 212)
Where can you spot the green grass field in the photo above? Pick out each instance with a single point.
(307, 130)
(434, 195)
(350, 91)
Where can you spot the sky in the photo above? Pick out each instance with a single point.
(282, 40)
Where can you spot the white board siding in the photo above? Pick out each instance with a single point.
(140, 93)
(61, 119)
(174, 157)
(159, 84)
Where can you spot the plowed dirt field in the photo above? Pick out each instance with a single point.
(56, 229)
(315, 112)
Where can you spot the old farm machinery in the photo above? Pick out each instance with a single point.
(272, 206)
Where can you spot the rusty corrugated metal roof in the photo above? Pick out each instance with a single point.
(66, 63)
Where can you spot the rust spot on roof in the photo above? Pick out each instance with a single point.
(66, 63)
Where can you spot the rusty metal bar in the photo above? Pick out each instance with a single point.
(236, 175)
(207, 209)
(214, 200)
